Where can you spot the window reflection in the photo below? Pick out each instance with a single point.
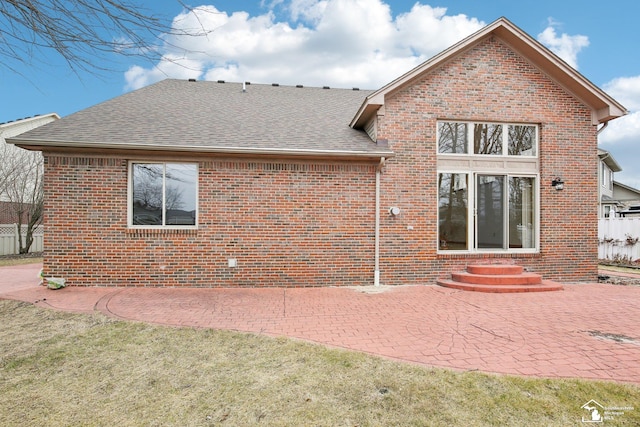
(490, 204)
(487, 138)
(452, 211)
(147, 194)
(452, 137)
(180, 190)
(521, 213)
(164, 194)
(522, 141)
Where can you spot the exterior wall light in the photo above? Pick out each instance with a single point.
(558, 184)
(394, 211)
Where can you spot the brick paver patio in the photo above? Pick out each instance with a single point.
(587, 331)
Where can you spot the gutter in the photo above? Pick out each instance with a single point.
(25, 143)
(603, 127)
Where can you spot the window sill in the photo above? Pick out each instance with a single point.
(481, 255)
(161, 231)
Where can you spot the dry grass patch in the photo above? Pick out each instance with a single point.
(19, 260)
(66, 369)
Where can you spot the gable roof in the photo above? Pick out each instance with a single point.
(630, 191)
(604, 107)
(216, 117)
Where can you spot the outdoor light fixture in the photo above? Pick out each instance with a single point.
(558, 184)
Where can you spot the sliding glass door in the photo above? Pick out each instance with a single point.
(503, 214)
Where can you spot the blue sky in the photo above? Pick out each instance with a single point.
(348, 43)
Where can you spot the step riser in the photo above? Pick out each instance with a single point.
(495, 269)
(499, 289)
(512, 279)
(498, 279)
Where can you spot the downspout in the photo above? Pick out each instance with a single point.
(376, 274)
(604, 125)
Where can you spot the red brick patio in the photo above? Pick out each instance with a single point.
(586, 331)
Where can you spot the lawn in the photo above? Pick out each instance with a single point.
(70, 369)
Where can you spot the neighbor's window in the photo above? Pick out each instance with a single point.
(163, 194)
(497, 139)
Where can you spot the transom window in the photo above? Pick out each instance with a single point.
(163, 194)
(487, 139)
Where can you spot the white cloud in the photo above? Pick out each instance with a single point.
(622, 136)
(310, 11)
(323, 44)
(565, 46)
(348, 43)
(627, 127)
(625, 90)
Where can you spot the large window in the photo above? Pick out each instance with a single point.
(163, 194)
(486, 203)
(502, 217)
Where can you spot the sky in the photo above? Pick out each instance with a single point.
(344, 43)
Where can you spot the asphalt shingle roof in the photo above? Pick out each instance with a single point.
(212, 116)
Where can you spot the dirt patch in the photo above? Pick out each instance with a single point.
(614, 337)
(22, 256)
(618, 280)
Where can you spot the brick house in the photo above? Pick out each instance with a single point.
(186, 183)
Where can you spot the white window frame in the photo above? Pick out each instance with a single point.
(524, 166)
(130, 223)
(472, 213)
(505, 139)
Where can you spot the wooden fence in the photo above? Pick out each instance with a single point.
(619, 239)
(9, 244)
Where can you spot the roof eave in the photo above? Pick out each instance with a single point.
(41, 144)
(609, 160)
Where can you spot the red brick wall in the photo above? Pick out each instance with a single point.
(488, 83)
(312, 223)
(287, 224)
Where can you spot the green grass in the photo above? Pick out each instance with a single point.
(89, 370)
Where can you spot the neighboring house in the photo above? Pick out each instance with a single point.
(11, 129)
(629, 199)
(16, 127)
(607, 167)
(186, 183)
(616, 199)
(8, 213)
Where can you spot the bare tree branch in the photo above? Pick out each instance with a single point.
(82, 31)
(21, 171)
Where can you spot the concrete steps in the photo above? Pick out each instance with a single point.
(498, 278)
